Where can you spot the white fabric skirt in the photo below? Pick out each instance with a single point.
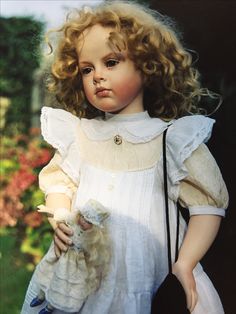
(125, 303)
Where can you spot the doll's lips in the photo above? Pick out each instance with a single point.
(102, 92)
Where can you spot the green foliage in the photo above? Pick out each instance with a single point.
(25, 234)
(23, 156)
(14, 274)
(35, 243)
(20, 39)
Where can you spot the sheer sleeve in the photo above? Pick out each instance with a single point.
(52, 179)
(203, 190)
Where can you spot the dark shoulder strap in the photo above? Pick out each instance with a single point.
(167, 209)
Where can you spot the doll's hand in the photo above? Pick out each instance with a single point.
(186, 278)
(62, 238)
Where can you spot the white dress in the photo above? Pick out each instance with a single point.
(118, 162)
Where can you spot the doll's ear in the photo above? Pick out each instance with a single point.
(45, 210)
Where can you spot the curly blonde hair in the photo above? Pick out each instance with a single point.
(97, 251)
(171, 83)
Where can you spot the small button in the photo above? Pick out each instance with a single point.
(117, 139)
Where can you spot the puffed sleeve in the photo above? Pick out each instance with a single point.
(194, 177)
(62, 174)
(203, 190)
(52, 179)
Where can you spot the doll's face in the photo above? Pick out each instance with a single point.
(110, 80)
(84, 224)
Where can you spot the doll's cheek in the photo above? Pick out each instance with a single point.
(85, 226)
(88, 227)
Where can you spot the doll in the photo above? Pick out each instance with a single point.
(122, 77)
(66, 282)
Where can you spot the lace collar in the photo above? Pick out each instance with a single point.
(134, 128)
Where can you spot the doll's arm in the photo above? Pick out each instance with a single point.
(62, 231)
(59, 190)
(57, 200)
(204, 193)
(201, 232)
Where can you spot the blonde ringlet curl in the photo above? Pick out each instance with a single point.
(97, 251)
(171, 83)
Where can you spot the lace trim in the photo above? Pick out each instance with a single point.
(45, 129)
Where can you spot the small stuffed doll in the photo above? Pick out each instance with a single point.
(66, 282)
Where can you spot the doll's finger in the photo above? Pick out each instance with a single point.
(57, 251)
(61, 245)
(65, 229)
(194, 300)
(189, 300)
(63, 237)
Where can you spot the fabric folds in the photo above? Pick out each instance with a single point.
(59, 128)
(184, 136)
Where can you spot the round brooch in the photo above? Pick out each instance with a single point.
(117, 139)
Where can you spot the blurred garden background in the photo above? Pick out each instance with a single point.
(25, 235)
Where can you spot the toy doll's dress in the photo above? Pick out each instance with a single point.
(118, 162)
(63, 280)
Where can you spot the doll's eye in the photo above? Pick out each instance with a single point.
(85, 71)
(111, 63)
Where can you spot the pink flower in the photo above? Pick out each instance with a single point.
(20, 181)
(33, 219)
(11, 209)
(26, 154)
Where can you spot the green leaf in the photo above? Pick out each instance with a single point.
(7, 166)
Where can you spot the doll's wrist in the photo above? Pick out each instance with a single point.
(53, 223)
(183, 265)
(61, 214)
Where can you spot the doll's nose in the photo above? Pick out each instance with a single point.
(98, 77)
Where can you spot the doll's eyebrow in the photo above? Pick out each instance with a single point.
(117, 55)
(84, 63)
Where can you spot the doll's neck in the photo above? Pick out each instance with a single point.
(143, 115)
